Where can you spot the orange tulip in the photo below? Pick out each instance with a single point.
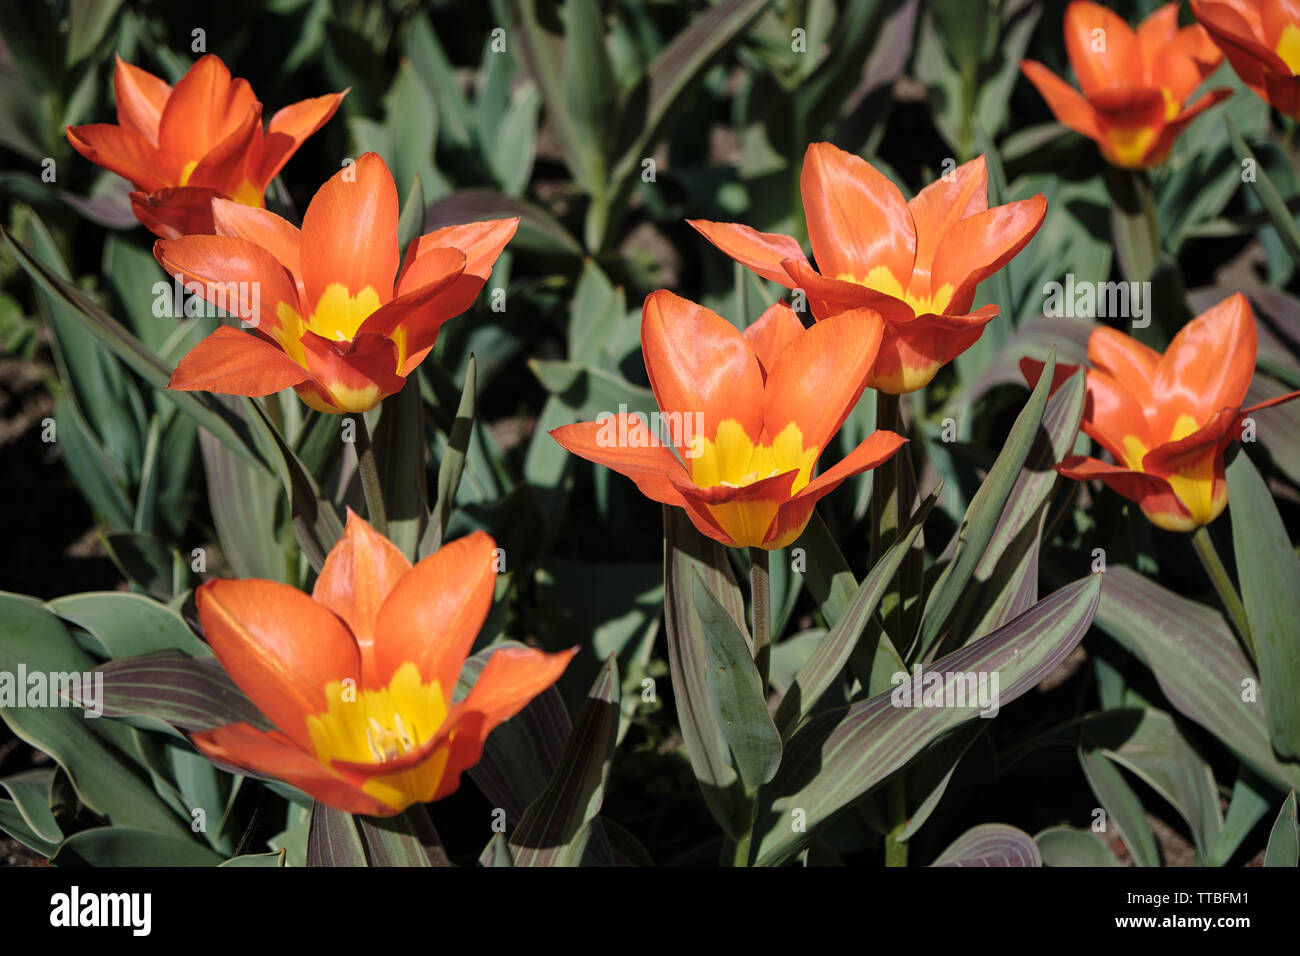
(182, 146)
(748, 413)
(916, 263)
(1167, 419)
(1135, 84)
(1261, 39)
(358, 678)
(330, 321)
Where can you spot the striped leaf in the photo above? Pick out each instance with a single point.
(991, 844)
(833, 652)
(1197, 663)
(188, 693)
(333, 838)
(1269, 574)
(556, 827)
(841, 755)
(1284, 839)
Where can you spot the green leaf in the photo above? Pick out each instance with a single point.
(556, 827)
(540, 233)
(841, 755)
(1268, 195)
(1247, 807)
(453, 463)
(967, 548)
(200, 406)
(430, 61)
(127, 846)
(1268, 570)
(1198, 664)
(129, 624)
(274, 858)
(688, 553)
(1121, 804)
(1066, 846)
(31, 793)
(991, 844)
(87, 749)
(88, 22)
(411, 222)
(400, 453)
(590, 94)
(831, 655)
(333, 839)
(736, 691)
(1284, 840)
(185, 692)
(407, 839)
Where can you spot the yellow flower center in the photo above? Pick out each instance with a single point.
(882, 280)
(378, 726)
(1288, 47)
(1194, 486)
(733, 460)
(247, 194)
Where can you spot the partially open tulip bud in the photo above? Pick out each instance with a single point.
(1261, 39)
(181, 147)
(1167, 420)
(748, 415)
(915, 263)
(335, 319)
(1136, 83)
(359, 678)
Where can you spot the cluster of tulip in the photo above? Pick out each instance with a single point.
(344, 319)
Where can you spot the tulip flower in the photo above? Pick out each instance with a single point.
(1166, 420)
(1136, 83)
(358, 679)
(182, 146)
(1261, 39)
(915, 263)
(330, 320)
(749, 414)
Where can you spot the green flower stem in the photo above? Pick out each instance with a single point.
(761, 594)
(370, 483)
(1223, 585)
(896, 795)
(745, 811)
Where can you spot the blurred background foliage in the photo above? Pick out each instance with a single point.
(603, 124)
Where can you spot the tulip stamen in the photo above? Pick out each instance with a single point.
(386, 743)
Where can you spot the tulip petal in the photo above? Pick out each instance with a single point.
(349, 232)
(511, 678)
(911, 353)
(1241, 41)
(978, 246)
(648, 466)
(432, 615)
(289, 127)
(940, 206)
(827, 297)
(176, 211)
(1111, 414)
(431, 292)
(763, 252)
(205, 107)
(1208, 365)
(773, 331)
(224, 166)
(261, 227)
(125, 152)
(819, 377)
(231, 362)
(273, 755)
(481, 243)
(792, 517)
(235, 275)
(358, 575)
(1071, 109)
(140, 98)
(1128, 362)
(1159, 150)
(279, 646)
(857, 218)
(698, 362)
(1153, 494)
(1103, 49)
(1183, 61)
(351, 376)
